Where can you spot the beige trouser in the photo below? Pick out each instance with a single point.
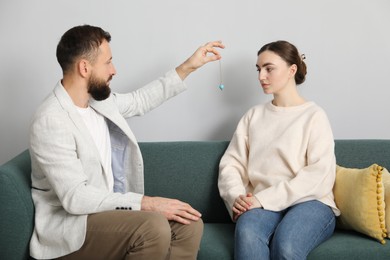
(138, 235)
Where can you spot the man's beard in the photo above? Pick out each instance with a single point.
(98, 88)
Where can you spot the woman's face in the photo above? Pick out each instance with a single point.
(274, 73)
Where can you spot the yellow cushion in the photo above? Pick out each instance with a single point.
(386, 185)
(359, 195)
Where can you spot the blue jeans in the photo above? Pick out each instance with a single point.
(288, 234)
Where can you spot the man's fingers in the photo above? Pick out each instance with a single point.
(187, 215)
(209, 48)
(184, 217)
(212, 44)
(179, 219)
(183, 213)
(186, 208)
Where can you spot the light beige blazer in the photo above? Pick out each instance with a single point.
(68, 180)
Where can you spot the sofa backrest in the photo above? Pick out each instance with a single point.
(187, 171)
(362, 153)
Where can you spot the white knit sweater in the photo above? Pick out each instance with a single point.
(283, 155)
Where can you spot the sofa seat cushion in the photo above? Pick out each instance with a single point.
(350, 245)
(217, 241)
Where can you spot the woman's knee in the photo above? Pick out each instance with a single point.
(248, 227)
(285, 250)
(304, 227)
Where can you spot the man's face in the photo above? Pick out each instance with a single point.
(102, 72)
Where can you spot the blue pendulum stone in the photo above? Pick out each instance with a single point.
(221, 86)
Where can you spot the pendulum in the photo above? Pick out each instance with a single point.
(221, 86)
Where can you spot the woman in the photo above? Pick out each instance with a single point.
(277, 175)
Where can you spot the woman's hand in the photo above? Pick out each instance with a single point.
(244, 203)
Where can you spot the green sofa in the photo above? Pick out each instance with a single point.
(188, 171)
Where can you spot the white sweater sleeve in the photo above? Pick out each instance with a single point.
(233, 177)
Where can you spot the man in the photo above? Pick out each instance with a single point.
(87, 169)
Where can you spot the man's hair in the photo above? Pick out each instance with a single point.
(80, 42)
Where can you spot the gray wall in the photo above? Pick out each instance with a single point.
(347, 45)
